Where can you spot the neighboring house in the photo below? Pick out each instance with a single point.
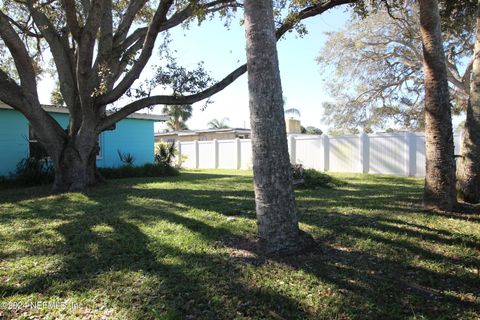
(203, 135)
(132, 135)
(293, 127)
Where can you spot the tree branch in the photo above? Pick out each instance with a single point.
(86, 45)
(72, 22)
(308, 13)
(155, 100)
(161, 99)
(147, 49)
(159, 23)
(12, 93)
(124, 26)
(61, 54)
(23, 62)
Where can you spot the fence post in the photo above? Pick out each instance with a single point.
(326, 152)
(411, 154)
(179, 153)
(197, 155)
(215, 152)
(238, 154)
(292, 148)
(364, 148)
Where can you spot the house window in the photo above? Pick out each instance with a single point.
(36, 150)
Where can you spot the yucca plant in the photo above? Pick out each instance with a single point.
(127, 159)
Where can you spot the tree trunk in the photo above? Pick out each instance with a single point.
(275, 202)
(469, 166)
(75, 165)
(439, 192)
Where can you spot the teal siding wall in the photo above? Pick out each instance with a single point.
(13, 140)
(130, 136)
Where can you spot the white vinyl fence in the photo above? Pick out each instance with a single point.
(400, 154)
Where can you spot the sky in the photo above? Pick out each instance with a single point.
(222, 50)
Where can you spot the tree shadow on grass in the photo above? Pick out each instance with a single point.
(105, 246)
(381, 286)
(107, 254)
(406, 283)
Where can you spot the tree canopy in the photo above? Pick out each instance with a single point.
(98, 49)
(376, 67)
(178, 114)
(219, 123)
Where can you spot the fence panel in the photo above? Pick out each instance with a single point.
(383, 153)
(188, 154)
(206, 154)
(388, 154)
(226, 154)
(246, 153)
(344, 154)
(309, 152)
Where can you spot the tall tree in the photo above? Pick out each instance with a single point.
(275, 201)
(469, 166)
(439, 192)
(178, 114)
(99, 49)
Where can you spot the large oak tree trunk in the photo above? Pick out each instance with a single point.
(75, 164)
(275, 202)
(439, 192)
(469, 166)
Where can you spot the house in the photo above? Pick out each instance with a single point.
(203, 135)
(132, 135)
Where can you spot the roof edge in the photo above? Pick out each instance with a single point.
(138, 116)
(195, 132)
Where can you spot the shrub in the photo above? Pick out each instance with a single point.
(311, 178)
(314, 179)
(32, 171)
(4, 182)
(145, 171)
(165, 153)
(297, 171)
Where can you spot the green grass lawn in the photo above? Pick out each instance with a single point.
(169, 249)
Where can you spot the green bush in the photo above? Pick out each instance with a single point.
(4, 182)
(165, 153)
(32, 172)
(311, 178)
(145, 171)
(315, 179)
